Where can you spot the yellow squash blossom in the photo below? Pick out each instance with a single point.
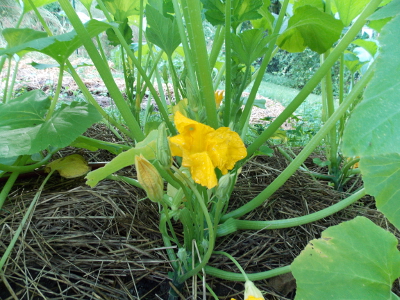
(203, 149)
(219, 95)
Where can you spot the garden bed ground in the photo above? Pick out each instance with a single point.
(103, 243)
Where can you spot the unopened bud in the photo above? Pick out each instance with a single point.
(224, 186)
(149, 179)
(251, 291)
(163, 149)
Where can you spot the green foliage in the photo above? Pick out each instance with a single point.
(25, 130)
(309, 27)
(352, 260)
(162, 31)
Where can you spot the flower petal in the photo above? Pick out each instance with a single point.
(225, 148)
(202, 169)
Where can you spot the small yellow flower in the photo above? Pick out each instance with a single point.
(203, 149)
(219, 95)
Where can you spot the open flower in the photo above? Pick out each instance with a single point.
(203, 149)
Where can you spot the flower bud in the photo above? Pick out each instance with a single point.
(163, 149)
(251, 292)
(149, 179)
(224, 186)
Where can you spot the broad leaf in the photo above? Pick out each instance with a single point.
(162, 31)
(349, 10)
(87, 4)
(249, 45)
(242, 10)
(19, 36)
(266, 22)
(122, 9)
(71, 166)
(309, 27)
(373, 126)
(147, 148)
(388, 11)
(381, 176)
(352, 61)
(59, 47)
(315, 3)
(370, 46)
(125, 30)
(24, 130)
(353, 260)
(37, 3)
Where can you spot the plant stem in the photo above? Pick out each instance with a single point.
(103, 70)
(314, 142)
(315, 79)
(239, 277)
(202, 63)
(233, 225)
(246, 278)
(228, 65)
(261, 71)
(56, 94)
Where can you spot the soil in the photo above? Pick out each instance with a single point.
(104, 242)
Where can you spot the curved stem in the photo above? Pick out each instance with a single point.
(246, 278)
(30, 168)
(308, 149)
(228, 65)
(239, 277)
(233, 225)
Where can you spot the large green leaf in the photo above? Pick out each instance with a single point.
(316, 3)
(19, 36)
(37, 3)
(348, 10)
(59, 47)
(162, 31)
(147, 148)
(353, 260)
(310, 27)
(24, 130)
(249, 45)
(242, 10)
(373, 127)
(266, 22)
(122, 9)
(381, 176)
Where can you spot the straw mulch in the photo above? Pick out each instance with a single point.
(103, 243)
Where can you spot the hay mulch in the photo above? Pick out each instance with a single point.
(103, 243)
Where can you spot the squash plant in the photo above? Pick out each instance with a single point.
(196, 147)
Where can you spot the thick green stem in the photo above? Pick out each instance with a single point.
(246, 278)
(135, 61)
(314, 142)
(253, 276)
(233, 225)
(7, 187)
(217, 45)
(202, 63)
(103, 70)
(315, 80)
(228, 65)
(11, 88)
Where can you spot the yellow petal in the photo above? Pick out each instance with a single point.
(202, 170)
(225, 148)
(149, 178)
